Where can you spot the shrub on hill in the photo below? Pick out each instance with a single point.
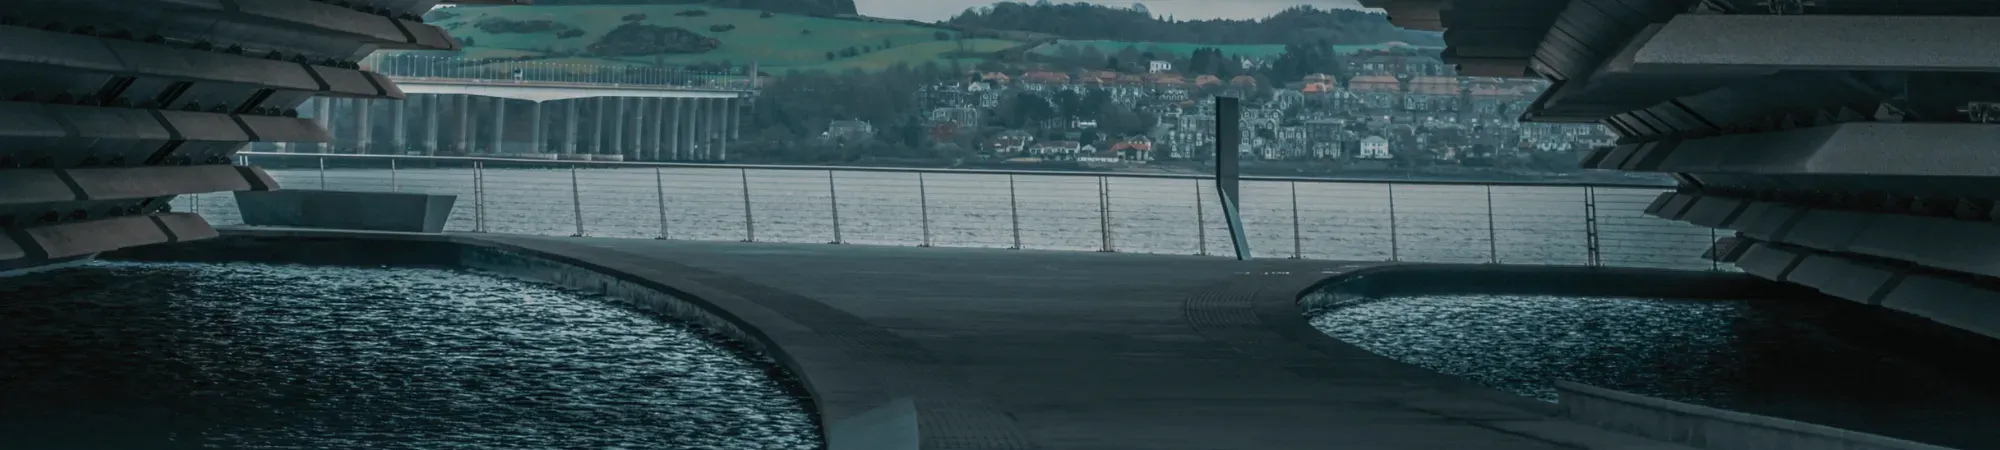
(500, 26)
(634, 17)
(636, 39)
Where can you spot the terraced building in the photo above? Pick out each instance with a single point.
(1849, 143)
(109, 108)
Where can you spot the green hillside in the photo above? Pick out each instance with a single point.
(780, 43)
(1184, 50)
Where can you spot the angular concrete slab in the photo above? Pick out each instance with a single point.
(25, 186)
(259, 179)
(73, 239)
(121, 183)
(1948, 301)
(184, 227)
(1769, 221)
(1862, 282)
(282, 129)
(376, 211)
(1816, 270)
(1676, 207)
(1949, 244)
(1828, 230)
(10, 250)
(1660, 202)
(1857, 148)
(1715, 211)
(1769, 262)
(1707, 43)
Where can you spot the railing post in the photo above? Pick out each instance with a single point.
(1596, 258)
(393, 187)
(1394, 247)
(1104, 213)
(1298, 248)
(479, 196)
(1492, 231)
(1200, 222)
(1014, 211)
(322, 173)
(749, 219)
(576, 200)
(833, 203)
(924, 208)
(660, 194)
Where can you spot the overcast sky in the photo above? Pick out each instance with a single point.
(932, 10)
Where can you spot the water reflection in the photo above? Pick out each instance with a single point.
(117, 355)
(1830, 363)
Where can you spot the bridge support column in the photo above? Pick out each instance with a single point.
(363, 126)
(323, 114)
(691, 123)
(536, 144)
(644, 130)
(712, 128)
(432, 109)
(635, 123)
(597, 126)
(569, 126)
(729, 129)
(399, 129)
(464, 144)
(657, 122)
(499, 126)
(673, 128)
(617, 120)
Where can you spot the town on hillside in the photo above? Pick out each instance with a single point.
(1391, 110)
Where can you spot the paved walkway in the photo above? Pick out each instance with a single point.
(1002, 349)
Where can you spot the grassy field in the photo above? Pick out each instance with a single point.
(780, 43)
(1184, 50)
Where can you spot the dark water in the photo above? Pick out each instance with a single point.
(1835, 364)
(119, 355)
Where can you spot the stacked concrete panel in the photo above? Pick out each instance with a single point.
(110, 108)
(1848, 142)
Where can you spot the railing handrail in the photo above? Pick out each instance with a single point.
(789, 167)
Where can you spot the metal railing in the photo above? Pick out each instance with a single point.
(420, 66)
(1359, 220)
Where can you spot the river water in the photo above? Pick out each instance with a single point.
(157, 356)
(1817, 360)
(1357, 221)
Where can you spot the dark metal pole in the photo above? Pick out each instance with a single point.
(1228, 139)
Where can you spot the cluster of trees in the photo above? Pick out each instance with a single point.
(820, 7)
(1090, 21)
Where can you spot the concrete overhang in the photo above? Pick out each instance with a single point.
(538, 91)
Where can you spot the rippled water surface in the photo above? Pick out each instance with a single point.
(1833, 364)
(118, 355)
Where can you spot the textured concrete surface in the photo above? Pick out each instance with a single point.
(1018, 349)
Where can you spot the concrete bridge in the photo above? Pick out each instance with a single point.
(538, 111)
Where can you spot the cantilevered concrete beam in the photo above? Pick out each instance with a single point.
(1694, 44)
(1858, 148)
(536, 91)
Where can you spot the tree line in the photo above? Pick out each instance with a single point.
(1297, 24)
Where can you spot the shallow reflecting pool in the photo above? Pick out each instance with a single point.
(1831, 363)
(121, 355)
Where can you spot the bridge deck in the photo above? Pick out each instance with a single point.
(1055, 350)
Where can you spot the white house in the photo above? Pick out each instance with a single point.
(1158, 66)
(1375, 147)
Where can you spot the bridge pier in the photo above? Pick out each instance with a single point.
(658, 127)
(463, 146)
(569, 128)
(431, 110)
(499, 127)
(323, 114)
(673, 137)
(728, 128)
(635, 121)
(535, 125)
(362, 125)
(597, 126)
(399, 127)
(617, 120)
